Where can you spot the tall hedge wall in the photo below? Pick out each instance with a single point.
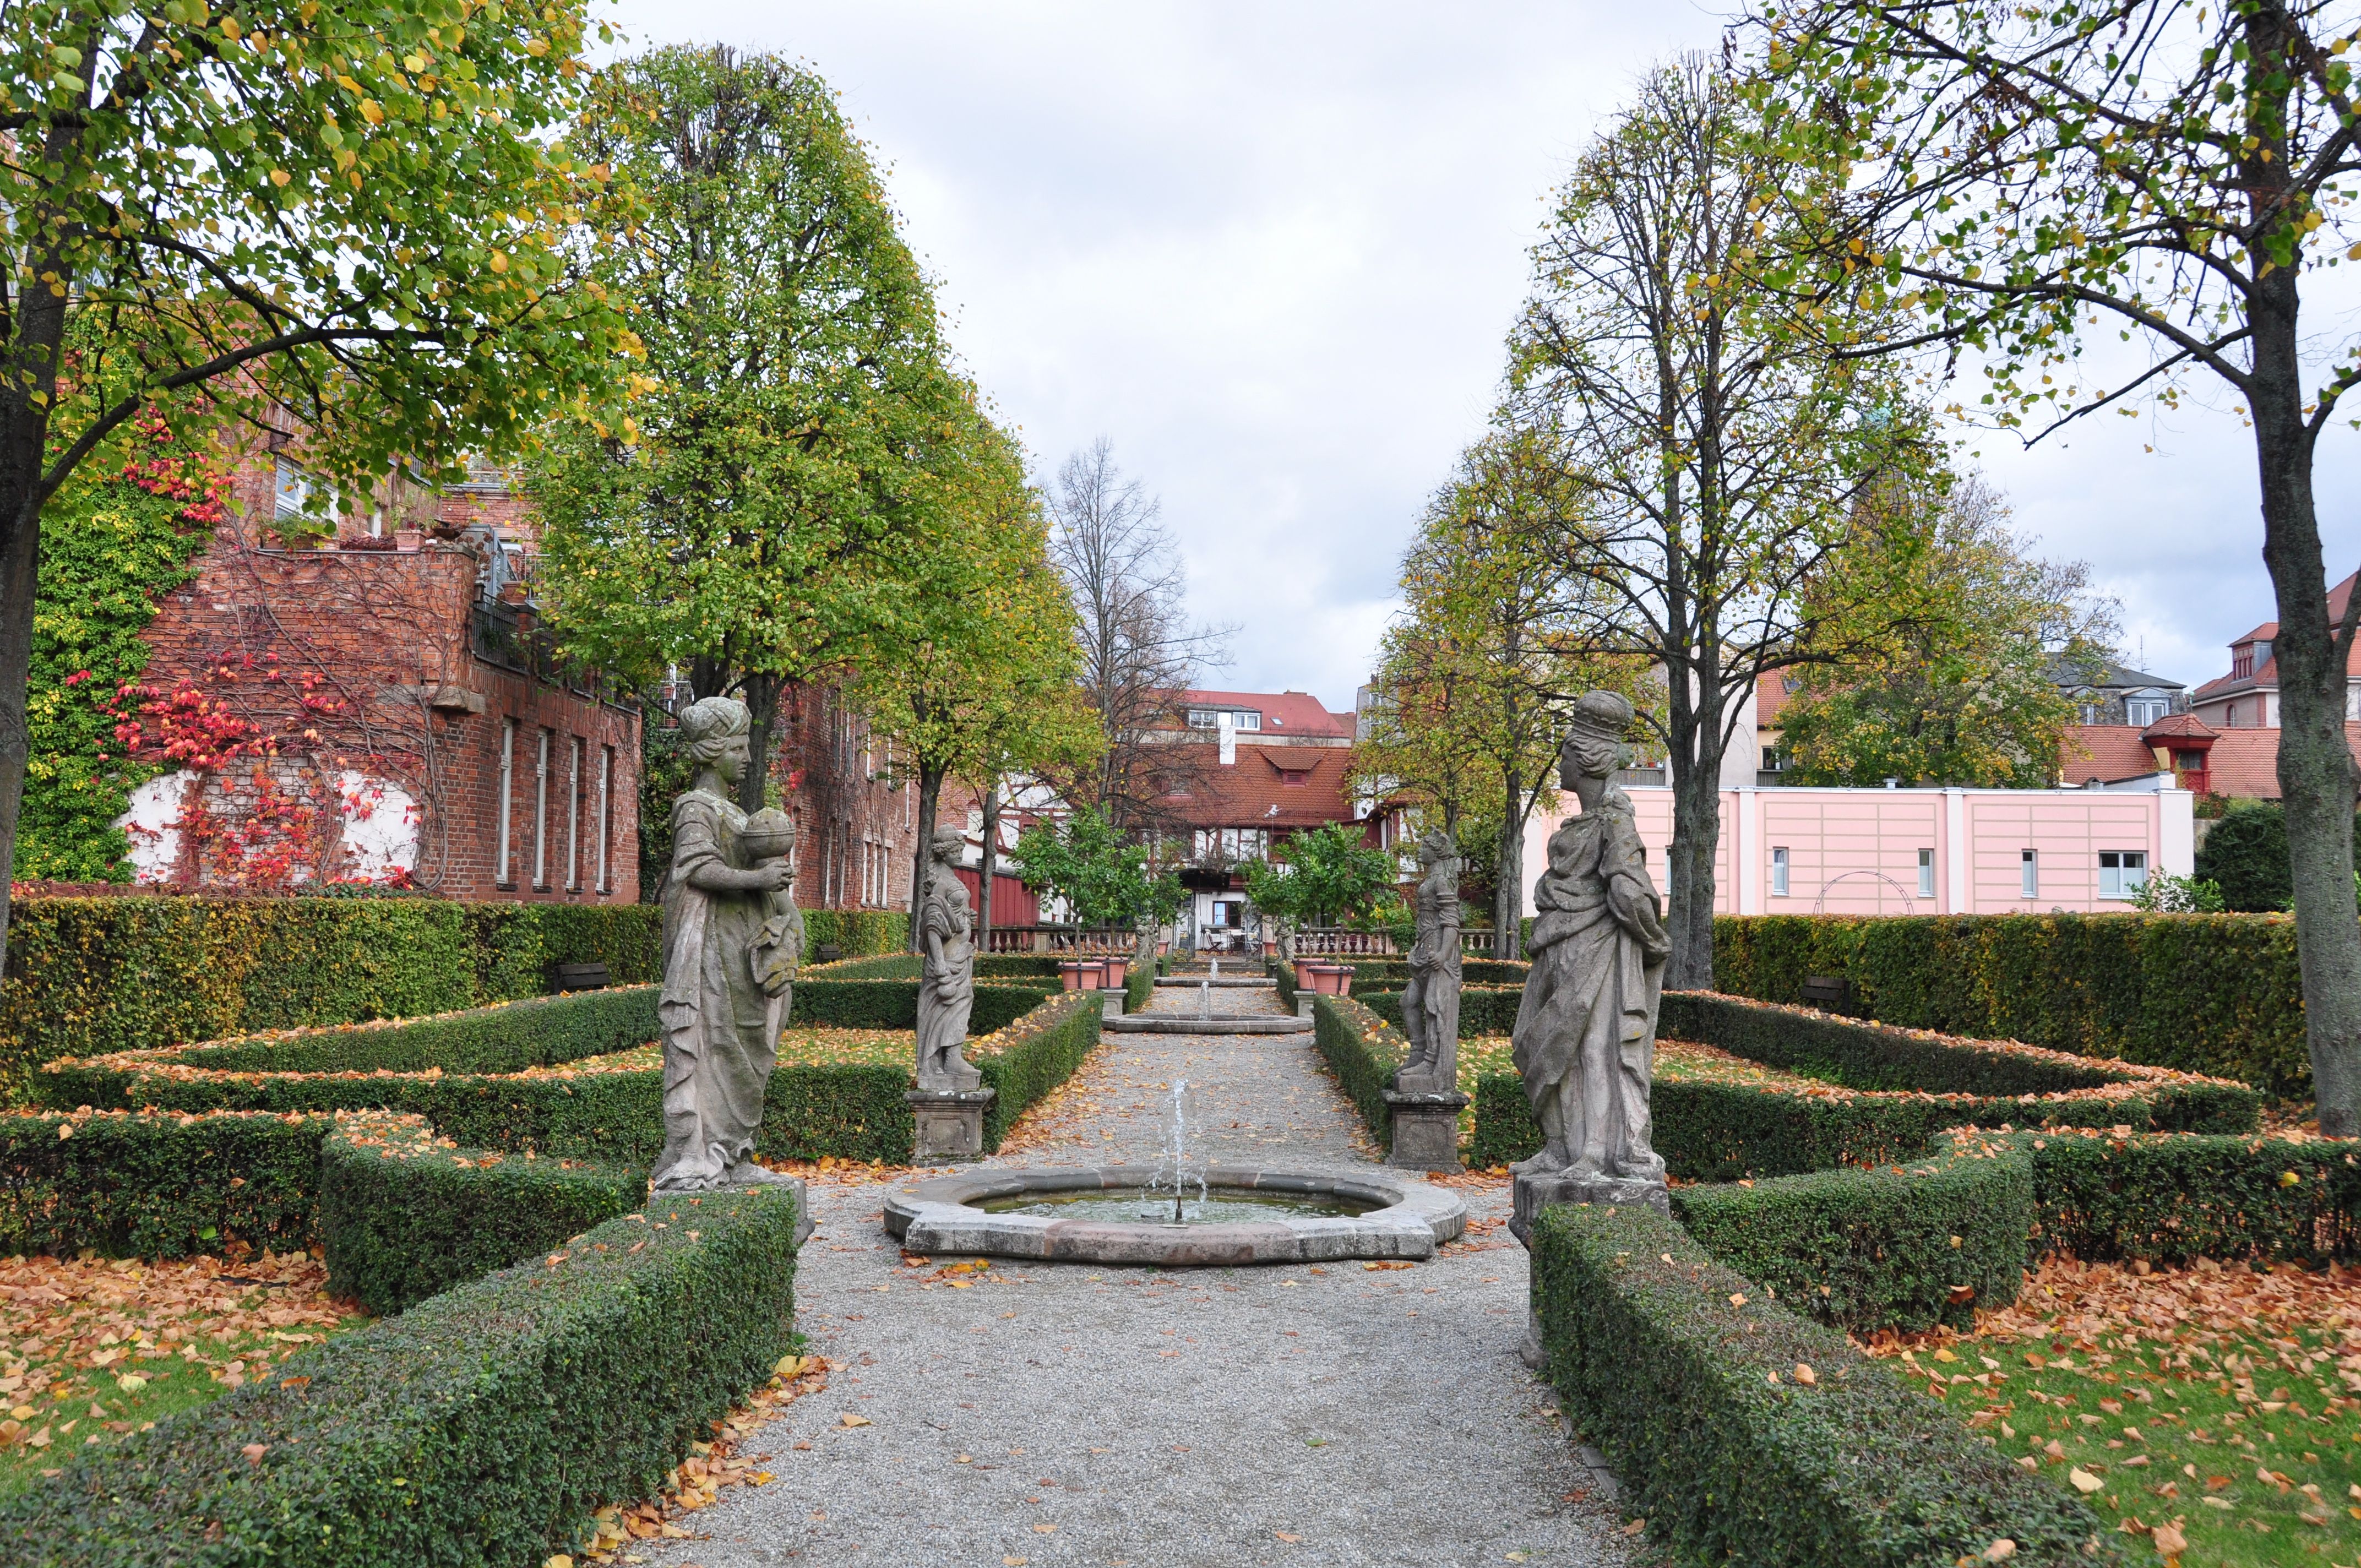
(860, 933)
(2211, 993)
(88, 975)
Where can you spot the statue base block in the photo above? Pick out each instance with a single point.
(1535, 1191)
(1425, 1129)
(950, 1123)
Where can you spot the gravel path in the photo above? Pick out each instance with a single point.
(1058, 1413)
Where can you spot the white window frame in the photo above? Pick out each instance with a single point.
(2028, 874)
(1779, 871)
(574, 817)
(504, 873)
(2123, 879)
(606, 792)
(1926, 873)
(541, 811)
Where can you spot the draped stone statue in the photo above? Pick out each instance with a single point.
(1586, 1031)
(1431, 1002)
(731, 940)
(946, 974)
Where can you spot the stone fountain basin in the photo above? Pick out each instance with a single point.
(1410, 1220)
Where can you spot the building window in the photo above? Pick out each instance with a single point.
(2090, 711)
(1926, 873)
(2242, 663)
(574, 818)
(541, 813)
(2029, 873)
(1211, 717)
(2122, 873)
(503, 874)
(1778, 873)
(606, 794)
(2141, 712)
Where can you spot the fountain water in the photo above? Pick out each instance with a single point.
(1176, 1157)
(1204, 999)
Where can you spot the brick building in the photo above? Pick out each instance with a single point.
(385, 709)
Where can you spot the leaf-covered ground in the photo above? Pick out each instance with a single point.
(2212, 1412)
(91, 1350)
(797, 1048)
(1679, 1060)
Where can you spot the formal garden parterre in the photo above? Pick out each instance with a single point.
(476, 1178)
(1884, 1180)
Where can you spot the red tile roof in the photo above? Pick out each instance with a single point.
(2179, 726)
(2268, 673)
(1283, 713)
(1268, 786)
(2243, 765)
(1770, 697)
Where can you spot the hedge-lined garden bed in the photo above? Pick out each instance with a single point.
(484, 1424)
(91, 975)
(1743, 1432)
(572, 1076)
(2211, 994)
(1363, 1050)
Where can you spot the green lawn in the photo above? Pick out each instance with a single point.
(2249, 1442)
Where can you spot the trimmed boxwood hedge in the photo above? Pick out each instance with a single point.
(2210, 993)
(402, 1217)
(91, 975)
(894, 1004)
(1883, 1057)
(1483, 1009)
(857, 933)
(157, 1185)
(1901, 1248)
(505, 1038)
(1679, 1370)
(1363, 1050)
(1029, 1057)
(482, 1426)
(2173, 1198)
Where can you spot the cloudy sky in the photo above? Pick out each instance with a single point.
(1270, 250)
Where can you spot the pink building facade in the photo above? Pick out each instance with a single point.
(1919, 852)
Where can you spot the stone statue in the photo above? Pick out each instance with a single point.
(1431, 1002)
(731, 940)
(946, 974)
(1586, 1032)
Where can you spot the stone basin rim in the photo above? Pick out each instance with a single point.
(938, 1215)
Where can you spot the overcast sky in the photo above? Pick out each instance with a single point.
(1272, 250)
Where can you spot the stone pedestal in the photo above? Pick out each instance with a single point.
(1426, 1129)
(1303, 1003)
(1111, 1004)
(1533, 1192)
(950, 1124)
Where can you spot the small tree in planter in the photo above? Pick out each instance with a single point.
(1105, 878)
(1323, 876)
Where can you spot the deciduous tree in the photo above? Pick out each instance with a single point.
(344, 217)
(748, 522)
(2175, 171)
(1718, 457)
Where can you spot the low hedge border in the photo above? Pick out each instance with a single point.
(159, 1184)
(1483, 1009)
(894, 1004)
(2173, 1197)
(507, 1037)
(1138, 988)
(1363, 1050)
(1028, 1058)
(404, 1215)
(1883, 1057)
(1904, 1246)
(907, 965)
(1689, 1381)
(483, 1425)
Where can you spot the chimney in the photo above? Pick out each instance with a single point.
(1229, 739)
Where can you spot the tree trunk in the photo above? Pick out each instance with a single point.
(930, 790)
(991, 857)
(1509, 890)
(761, 698)
(1696, 766)
(19, 577)
(2315, 763)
